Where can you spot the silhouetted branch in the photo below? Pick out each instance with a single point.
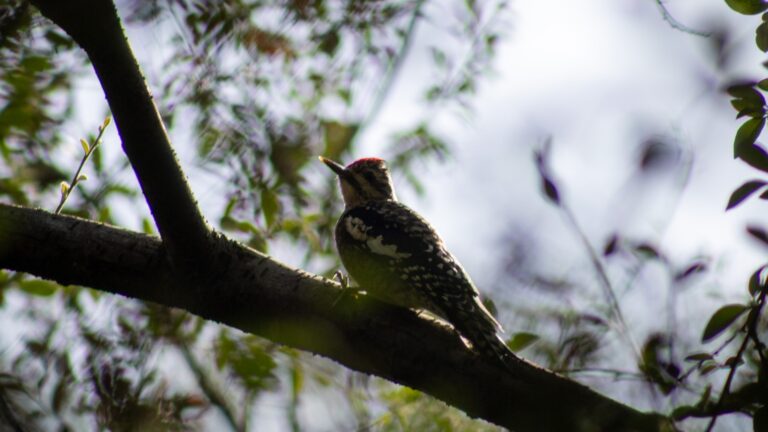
(250, 291)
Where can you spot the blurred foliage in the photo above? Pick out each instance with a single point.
(266, 87)
(747, 321)
(410, 410)
(263, 88)
(36, 73)
(721, 372)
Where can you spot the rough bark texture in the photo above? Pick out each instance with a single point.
(220, 280)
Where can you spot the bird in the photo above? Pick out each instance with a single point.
(396, 256)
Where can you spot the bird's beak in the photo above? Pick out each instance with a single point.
(335, 167)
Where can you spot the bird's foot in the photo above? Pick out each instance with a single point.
(343, 280)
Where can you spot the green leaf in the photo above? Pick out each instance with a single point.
(228, 223)
(611, 245)
(297, 380)
(746, 135)
(311, 235)
(758, 233)
(258, 242)
(699, 357)
(757, 282)
(247, 360)
(747, 7)
(147, 226)
(720, 320)
(739, 104)
(338, 136)
(706, 395)
(38, 287)
(747, 92)
(761, 37)
(438, 56)
(550, 190)
(648, 251)
(329, 42)
(84, 144)
(708, 367)
(270, 206)
(223, 348)
(692, 269)
(743, 192)
(683, 412)
(756, 157)
(521, 341)
(751, 112)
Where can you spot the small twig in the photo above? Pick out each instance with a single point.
(602, 275)
(394, 70)
(66, 188)
(736, 360)
(727, 342)
(760, 346)
(727, 387)
(214, 395)
(607, 371)
(752, 330)
(677, 25)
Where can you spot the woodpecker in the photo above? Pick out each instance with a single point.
(396, 256)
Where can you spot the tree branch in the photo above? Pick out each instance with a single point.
(96, 28)
(223, 281)
(256, 294)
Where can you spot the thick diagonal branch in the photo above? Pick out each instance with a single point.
(95, 26)
(258, 295)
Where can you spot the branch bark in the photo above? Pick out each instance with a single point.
(256, 294)
(241, 288)
(95, 26)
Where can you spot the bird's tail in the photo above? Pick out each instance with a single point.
(483, 335)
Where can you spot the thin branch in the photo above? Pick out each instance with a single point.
(754, 316)
(696, 366)
(211, 390)
(677, 25)
(727, 386)
(616, 373)
(605, 282)
(752, 330)
(76, 177)
(393, 71)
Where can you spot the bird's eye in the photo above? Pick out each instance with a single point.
(371, 177)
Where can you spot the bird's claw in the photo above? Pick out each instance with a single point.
(343, 280)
